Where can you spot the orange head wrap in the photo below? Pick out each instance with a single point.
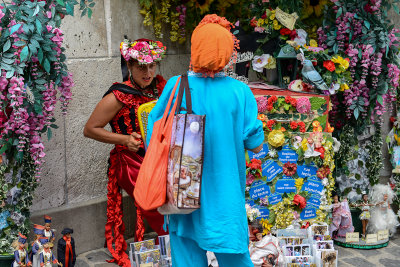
(212, 45)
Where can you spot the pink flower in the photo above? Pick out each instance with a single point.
(259, 29)
(303, 105)
(148, 59)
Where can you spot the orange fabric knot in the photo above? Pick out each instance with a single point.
(212, 45)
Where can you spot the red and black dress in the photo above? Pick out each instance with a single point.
(124, 167)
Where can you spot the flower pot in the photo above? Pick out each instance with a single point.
(6, 260)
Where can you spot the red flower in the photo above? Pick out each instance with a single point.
(392, 119)
(323, 172)
(321, 150)
(272, 100)
(270, 107)
(302, 126)
(293, 102)
(264, 15)
(368, 8)
(255, 164)
(315, 62)
(253, 22)
(392, 186)
(299, 201)
(293, 125)
(270, 124)
(293, 35)
(329, 65)
(287, 99)
(289, 169)
(285, 31)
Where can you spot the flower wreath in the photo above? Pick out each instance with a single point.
(143, 50)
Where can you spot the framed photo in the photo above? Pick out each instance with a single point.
(328, 244)
(329, 258)
(142, 246)
(296, 261)
(317, 229)
(305, 250)
(148, 258)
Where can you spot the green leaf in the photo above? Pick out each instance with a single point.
(89, 13)
(19, 43)
(70, 9)
(339, 12)
(46, 65)
(3, 148)
(40, 81)
(8, 60)
(7, 45)
(84, 12)
(54, 126)
(367, 24)
(49, 134)
(15, 28)
(24, 53)
(356, 113)
(380, 100)
(36, 10)
(10, 73)
(61, 2)
(396, 9)
(92, 5)
(38, 26)
(317, 102)
(40, 55)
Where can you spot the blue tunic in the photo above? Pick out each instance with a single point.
(231, 125)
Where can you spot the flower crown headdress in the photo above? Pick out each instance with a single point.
(143, 50)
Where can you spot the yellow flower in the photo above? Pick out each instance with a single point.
(313, 43)
(299, 183)
(133, 44)
(344, 86)
(260, 22)
(272, 17)
(304, 144)
(341, 61)
(276, 138)
(266, 226)
(276, 25)
(315, 124)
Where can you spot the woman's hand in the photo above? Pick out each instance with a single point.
(133, 141)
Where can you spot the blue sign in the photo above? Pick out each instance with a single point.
(260, 155)
(285, 186)
(250, 202)
(287, 155)
(271, 169)
(264, 213)
(308, 213)
(313, 186)
(287, 177)
(274, 199)
(259, 189)
(305, 171)
(314, 201)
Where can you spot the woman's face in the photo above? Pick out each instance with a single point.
(142, 74)
(335, 199)
(365, 197)
(47, 227)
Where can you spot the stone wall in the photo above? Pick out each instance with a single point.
(73, 185)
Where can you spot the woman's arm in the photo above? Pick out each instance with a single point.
(105, 110)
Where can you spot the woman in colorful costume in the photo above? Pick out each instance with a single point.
(119, 107)
(20, 253)
(220, 225)
(48, 232)
(37, 246)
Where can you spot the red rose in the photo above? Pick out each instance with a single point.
(264, 15)
(329, 65)
(299, 201)
(293, 125)
(293, 35)
(285, 31)
(270, 124)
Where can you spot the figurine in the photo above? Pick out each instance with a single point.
(20, 253)
(47, 256)
(37, 246)
(365, 214)
(382, 215)
(48, 232)
(341, 218)
(66, 248)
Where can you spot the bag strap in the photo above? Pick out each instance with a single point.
(165, 115)
(184, 87)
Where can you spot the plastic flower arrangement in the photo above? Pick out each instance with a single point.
(142, 51)
(253, 171)
(33, 79)
(252, 213)
(303, 105)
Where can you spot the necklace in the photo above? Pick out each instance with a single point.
(152, 86)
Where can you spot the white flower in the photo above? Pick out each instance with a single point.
(133, 53)
(296, 85)
(325, 181)
(151, 47)
(310, 152)
(259, 62)
(334, 87)
(272, 153)
(252, 213)
(336, 145)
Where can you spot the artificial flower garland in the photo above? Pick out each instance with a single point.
(145, 52)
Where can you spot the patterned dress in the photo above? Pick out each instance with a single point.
(124, 167)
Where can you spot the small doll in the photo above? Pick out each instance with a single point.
(66, 248)
(48, 232)
(382, 215)
(341, 218)
(37, 247)
(365, 214)
(46, 256)
(20, 253)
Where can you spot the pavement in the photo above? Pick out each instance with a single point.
(348, 257)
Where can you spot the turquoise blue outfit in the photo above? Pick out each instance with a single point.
(231, 125)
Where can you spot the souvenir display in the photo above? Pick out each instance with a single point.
(48, 232)
(365, 215)
(47, 257)
(37, 247)
(66, 248)
(341, 218)
(21, 257)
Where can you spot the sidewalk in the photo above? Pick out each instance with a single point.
(348, 257)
